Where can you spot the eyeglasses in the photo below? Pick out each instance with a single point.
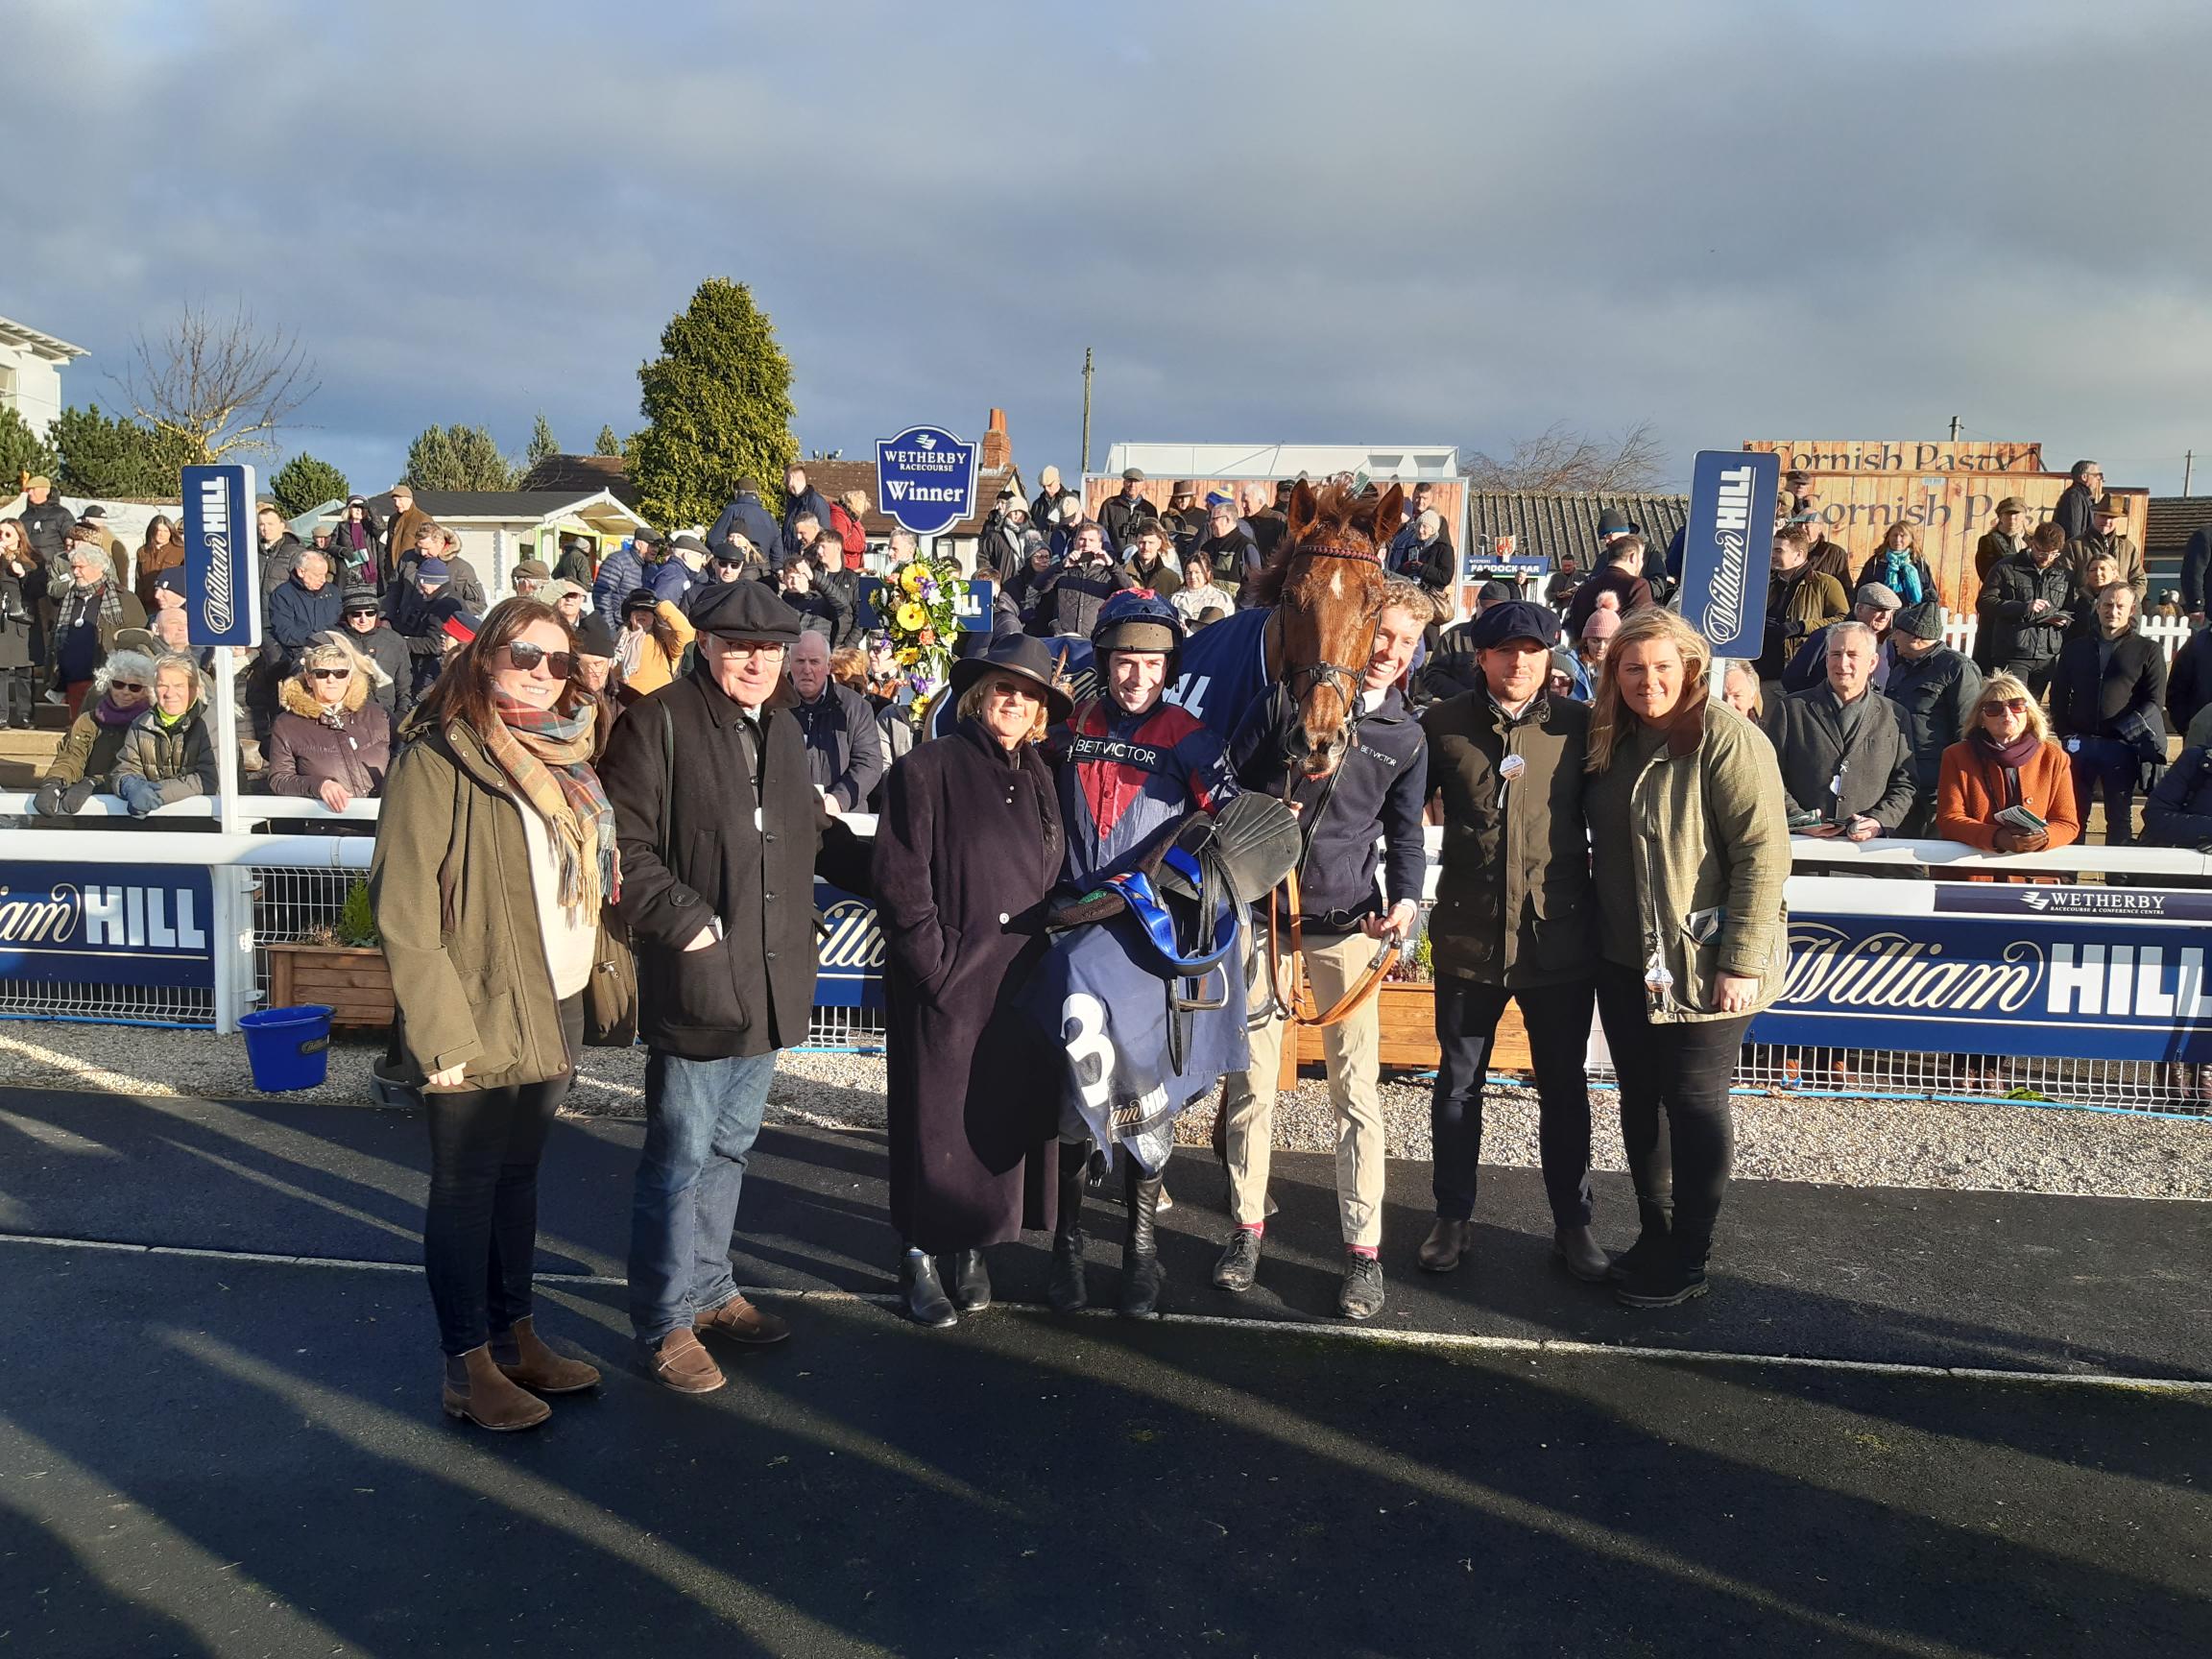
(745, 647)
(524, 655)
(331, 673)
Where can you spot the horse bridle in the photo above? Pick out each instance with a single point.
(1339, 676)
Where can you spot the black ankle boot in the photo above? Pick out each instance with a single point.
(1141, 1273)
(1672, 1273)
(924, 1292)
(1065, 1290)
(1658, 1221)
(971, 1281)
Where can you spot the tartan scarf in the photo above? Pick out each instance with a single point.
(548, 756)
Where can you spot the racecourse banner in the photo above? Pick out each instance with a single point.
(108, 924)
(849, 973)
(2025, 971)
(1727, 549)
(221, 557)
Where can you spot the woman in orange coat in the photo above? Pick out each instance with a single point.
(2007, 759)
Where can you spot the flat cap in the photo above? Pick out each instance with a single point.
(745, 611)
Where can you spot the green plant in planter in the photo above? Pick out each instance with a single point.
(356, 924)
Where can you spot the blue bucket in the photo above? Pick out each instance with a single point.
(288, 1047)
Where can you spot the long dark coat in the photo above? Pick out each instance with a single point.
(968, 846)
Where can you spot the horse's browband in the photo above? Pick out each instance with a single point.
(1372, 556)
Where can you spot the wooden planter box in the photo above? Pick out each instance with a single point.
(1408, 1038)
(356, 983)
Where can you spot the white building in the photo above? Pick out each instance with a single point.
(31, 365)
(1406, 462)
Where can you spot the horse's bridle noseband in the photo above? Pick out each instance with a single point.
(1341, 679)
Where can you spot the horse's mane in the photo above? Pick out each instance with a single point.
(1338, 509)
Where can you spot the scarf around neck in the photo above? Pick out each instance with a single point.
(2014, 753)
(109, 713)
(548, 756)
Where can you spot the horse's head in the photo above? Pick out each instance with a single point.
(1327, 592)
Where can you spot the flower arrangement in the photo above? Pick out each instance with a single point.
(915, 608)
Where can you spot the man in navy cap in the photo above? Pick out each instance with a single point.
(1228, 543)
(1512, 923)
(718, 825)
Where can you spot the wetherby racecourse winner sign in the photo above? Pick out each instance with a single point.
(222, 577)
(926, 479)
(1728, 548)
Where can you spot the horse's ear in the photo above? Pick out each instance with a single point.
(1299, 517)
(1389, 515)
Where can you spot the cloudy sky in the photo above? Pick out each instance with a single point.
(1379, 223)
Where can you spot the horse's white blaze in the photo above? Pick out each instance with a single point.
(1336, 584)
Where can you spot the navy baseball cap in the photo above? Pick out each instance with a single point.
(1515, 620)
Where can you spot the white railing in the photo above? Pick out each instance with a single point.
(1960, 628)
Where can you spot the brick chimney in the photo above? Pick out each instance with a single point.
(997, 452)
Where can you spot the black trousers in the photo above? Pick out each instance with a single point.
(22, 694)
(1557, 1020)
(1679, 1072)
(480, 1234)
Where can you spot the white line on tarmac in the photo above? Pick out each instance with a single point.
(1437, 1340)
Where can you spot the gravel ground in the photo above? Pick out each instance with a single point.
(1998, 1146)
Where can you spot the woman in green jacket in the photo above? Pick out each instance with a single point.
(1689, 851)
(494, 850)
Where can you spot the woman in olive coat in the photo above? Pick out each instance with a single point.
(967, 848)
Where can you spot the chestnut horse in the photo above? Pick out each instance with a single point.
(1326, 585)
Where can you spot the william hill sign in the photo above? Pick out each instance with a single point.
(107, 925)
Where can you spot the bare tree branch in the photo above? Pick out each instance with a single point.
(216, 385)
(1561, 458)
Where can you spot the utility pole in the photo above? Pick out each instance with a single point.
(1086, 409)
(1954, 429)
(2188, 465)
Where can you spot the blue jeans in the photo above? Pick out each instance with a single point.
(701, 1119)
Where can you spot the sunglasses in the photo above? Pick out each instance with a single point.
(126, 684)
(2006, 705)
(331, 673)
(524, 655)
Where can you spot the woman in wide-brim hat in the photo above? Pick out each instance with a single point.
(968, 846)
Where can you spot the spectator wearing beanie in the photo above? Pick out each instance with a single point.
(1936, 689)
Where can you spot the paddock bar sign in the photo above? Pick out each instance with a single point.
(108, 924)
(222, 575)
(1727, 550)
(2011, 970)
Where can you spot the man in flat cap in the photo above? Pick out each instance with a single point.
(1118, 515)
(1511, 924)
(718, 823)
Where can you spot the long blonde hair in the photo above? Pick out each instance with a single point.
(2010, 688)
(1607, 718)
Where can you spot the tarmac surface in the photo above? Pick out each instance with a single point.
(1905, 1421)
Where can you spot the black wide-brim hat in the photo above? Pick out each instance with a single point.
(1018, 653)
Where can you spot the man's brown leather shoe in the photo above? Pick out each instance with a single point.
(1446, 1244)
(680, 1364)
(537, 1368)
(739, 1320)
(486, 1399)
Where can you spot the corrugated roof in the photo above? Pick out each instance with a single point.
(1555, 521)
(2173, 519)
(582, 476)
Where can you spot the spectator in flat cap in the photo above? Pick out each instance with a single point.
(1936, 689)
(1874, 605)
(683, 571)
(2110, 536)
(1511, 924)
(718, 825)
(2005, 538)
(1119, 517)
(529, 578)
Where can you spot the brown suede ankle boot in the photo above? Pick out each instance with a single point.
(486, 1398)
(523, 1357)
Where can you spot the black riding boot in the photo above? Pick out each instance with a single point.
(1658, 1221)
(1065, 1290)
(1674, 1272)
(1141, 1273)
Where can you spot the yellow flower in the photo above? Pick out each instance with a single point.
(911, 576)
(912, 616)
(908, 657)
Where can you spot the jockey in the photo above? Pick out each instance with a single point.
(1133, 765)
